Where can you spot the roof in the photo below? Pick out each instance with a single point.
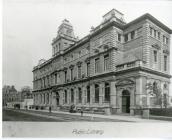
(151, 18)
(104, 26)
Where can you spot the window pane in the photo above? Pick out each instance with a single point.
(107, 92)
(119, 37)
(88, 69)
(165, 63)
(106, 62)
(88, 94)
(97, 65)
(80, 95)
(72, 96)
(155, 56)
(96, 93)
(132, 34)
(79, 71)
(126, 37)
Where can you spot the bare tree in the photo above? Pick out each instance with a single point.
(156, 91)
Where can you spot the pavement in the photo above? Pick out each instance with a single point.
(120, 117)
(127, 118)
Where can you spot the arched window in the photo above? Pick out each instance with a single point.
(72, 96)
(107, 92)
(96, 93)
(44, 99)
(47, 98)
(80, 95)
(65, 96)
(88, 94)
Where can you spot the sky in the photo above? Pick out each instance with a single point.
(30, 25)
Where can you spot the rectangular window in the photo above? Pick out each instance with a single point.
(80, 95)
(106, 62)
(88, 94)
(65, 96)
(151, 31)
(72, 95)
(71, 73)
(155, 33)
(79, 71)
(159, 35)
(55, 78)
(126, 37)
(155, 55)
(132, 34)
(97, 65)
(107, 92)
(119, 37)
(163, 39)
(166, 40)
(165, 63)
(88, 69)
(96, 93)
(48, 80)
(65, 76)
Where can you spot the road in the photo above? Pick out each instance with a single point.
(39, 116)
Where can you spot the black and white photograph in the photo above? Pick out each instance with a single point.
(86, 68)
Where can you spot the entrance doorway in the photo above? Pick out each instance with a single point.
(57, 98)
(126, 101)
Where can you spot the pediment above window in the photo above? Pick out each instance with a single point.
(79, 63)
(87, 60)
(65, 69)
(71, 66)
(166, 51)
(156, 46)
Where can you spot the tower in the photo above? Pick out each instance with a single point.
(65, 38)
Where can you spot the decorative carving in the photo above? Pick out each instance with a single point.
(156, 46)
(124, 82)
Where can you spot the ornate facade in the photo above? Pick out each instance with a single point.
(109, 69)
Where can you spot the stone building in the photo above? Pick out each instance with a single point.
(10, 95)
(109, 69)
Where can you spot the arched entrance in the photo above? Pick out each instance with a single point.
(57, 98)
(125, 101)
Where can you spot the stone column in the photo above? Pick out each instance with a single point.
(140, 92)
(113, 97)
